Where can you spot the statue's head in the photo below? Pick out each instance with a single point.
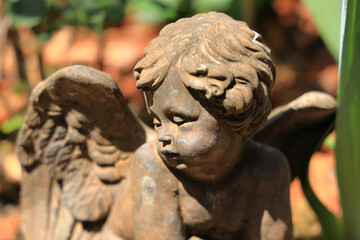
(207, 82)
(221, 61)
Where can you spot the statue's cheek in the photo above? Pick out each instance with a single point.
(196, 143)
(198, 137)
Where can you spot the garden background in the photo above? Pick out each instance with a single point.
(40, 36)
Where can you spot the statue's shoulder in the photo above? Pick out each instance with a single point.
(146, 161)
(264, 163)
(147, 150)
(146, 154)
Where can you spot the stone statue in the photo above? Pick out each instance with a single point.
(92, 170)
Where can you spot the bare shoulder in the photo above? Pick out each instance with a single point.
(147, 150)
(147, 162)
(269, 211)
(146, 156)
(265, 163)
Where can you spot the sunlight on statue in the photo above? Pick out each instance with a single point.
(92, 170)
(207, 82)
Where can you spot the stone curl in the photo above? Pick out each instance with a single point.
(222, 59)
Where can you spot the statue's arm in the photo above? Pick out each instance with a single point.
(156, 211)
(276, 220)
(271, 205)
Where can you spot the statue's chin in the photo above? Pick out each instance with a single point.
(188, 169)
(173, 160)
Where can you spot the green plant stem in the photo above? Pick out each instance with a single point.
(330, 224)
(348, 119)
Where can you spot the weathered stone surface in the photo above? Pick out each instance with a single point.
(92, 170)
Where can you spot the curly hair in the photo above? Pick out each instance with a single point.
(220, 58)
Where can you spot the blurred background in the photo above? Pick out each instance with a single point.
(37, 37)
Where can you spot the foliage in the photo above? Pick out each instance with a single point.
(51, 14)
(12, 124)
(95, 14)
(48, 15)
(327, 18)
(348, 118)
(348, 114)
(161, 11)
(156, 11)
(26, 12)
(330, 142)
(330, 224)
(326, 15)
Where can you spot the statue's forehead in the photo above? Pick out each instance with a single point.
(173, 95)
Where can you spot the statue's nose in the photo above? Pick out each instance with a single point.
(165, 137)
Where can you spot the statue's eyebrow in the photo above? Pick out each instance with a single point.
(185, 114)
(172, 111)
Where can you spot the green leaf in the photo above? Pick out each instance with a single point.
(331, 225)
(93, 14)
(330, 142)
(21, 87)
(151, 12)
(26, 13)
(326, 15)
(348, 119)
(12, 124)
(211, 5)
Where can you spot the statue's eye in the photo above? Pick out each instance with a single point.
(242, 80)
(156, 123)
(178, 120)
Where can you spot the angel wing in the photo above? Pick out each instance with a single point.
(75, 148)
(298, 128)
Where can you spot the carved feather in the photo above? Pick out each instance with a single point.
(299, 127)
(75, 148)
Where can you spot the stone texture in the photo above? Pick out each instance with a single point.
(92, 170)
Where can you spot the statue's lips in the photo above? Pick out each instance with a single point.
(169, 154)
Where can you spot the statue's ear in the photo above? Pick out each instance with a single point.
(75, 146)
(298, 128)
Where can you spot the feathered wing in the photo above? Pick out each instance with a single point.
(299, 127)
(75, 147)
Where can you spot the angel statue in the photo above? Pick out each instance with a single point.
(93, 170)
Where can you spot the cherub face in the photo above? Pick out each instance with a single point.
(189, 138)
